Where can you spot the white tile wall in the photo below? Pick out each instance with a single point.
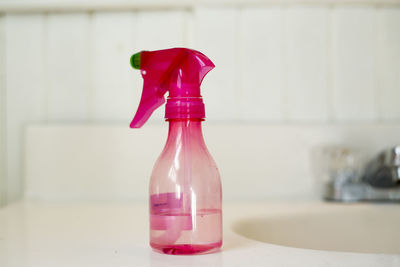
(307, 36)
(67, 66)
(388, 63)
(112, 83)
(261, 65)
(274, 63)
(354, 63)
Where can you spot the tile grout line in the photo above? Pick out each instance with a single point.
(378, 65)
(133, 18)
(91, 91)
(284, 56)
(188, 28)
(332, 63)
(238, 61)
(45, 64)
(3, 116)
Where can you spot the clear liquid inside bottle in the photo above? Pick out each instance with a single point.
(185, 194)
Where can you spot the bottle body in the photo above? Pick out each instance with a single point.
(185, 194)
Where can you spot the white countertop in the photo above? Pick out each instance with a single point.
(116, 234)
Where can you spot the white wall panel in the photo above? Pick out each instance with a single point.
(216, 36)
(25, 88)
(67, 66)
(261, 67)
(354, 63)
(112, 76)
(307, 63)
(389, 63)
(156, 30)
(3, 190)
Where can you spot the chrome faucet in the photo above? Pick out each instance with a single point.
(378, 181)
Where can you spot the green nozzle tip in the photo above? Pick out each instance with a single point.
(135, 61)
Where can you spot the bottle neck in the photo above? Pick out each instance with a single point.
(184, 107)
(188, 130)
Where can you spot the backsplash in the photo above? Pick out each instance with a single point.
(256, 162)
(275, 63)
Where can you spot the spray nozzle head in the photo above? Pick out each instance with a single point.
(179, 71)
(135, 61)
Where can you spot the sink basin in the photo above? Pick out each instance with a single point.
(363, 228)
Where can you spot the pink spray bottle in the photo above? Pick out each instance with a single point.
(185, 187)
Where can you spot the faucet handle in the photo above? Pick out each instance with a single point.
(395, 155)
(384, 170)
